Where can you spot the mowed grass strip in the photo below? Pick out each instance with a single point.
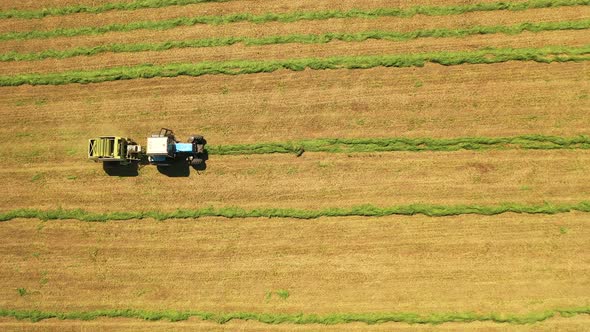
(342, 145)
(359, 145)
(292, 17)
(74, 9)
(488, 56)
(361, 210)
(279, 318)
(297, 38)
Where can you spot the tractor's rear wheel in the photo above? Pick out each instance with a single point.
(196, 162)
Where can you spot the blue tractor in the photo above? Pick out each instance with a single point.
(164, 150)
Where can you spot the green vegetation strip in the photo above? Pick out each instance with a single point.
(278, 318)
(238, 67)
(292, 17)
(343, 145)
(302, 39)
(361, 210)
(68, 10)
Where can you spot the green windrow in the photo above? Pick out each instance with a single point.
(294, 16)
(485, 56)
(400, 144)
(361, 210)
(68, 10)
(345, 145)
(302, 39)
(280, 318)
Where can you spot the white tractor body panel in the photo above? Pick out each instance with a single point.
(157, 146)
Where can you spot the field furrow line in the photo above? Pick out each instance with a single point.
(486, 56)
(292, 17)
(297, 38)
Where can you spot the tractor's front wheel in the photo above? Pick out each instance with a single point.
(197, 139)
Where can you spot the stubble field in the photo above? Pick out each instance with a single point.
(503, 271)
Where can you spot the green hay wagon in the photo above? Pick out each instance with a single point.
(113, 149)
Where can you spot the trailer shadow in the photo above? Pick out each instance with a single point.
(116, 169)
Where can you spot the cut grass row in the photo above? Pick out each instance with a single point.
(74, 9)
(292, 17)
(295, 38)
(280, 318)
(343, 145)
(402, 144)
(485, 56)
(361, 210)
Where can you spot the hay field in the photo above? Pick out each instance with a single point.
(486, 104)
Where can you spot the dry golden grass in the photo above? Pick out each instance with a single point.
(304, 27)
(39, 4)
(290, 51)
(574, 324)
(507, 263)
(213, 8)
(314, 181)
(471, 100)
(518, 98)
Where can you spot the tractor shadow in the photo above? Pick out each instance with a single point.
(179, 169)
(116, 169)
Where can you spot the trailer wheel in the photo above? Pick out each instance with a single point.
(196, 162)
